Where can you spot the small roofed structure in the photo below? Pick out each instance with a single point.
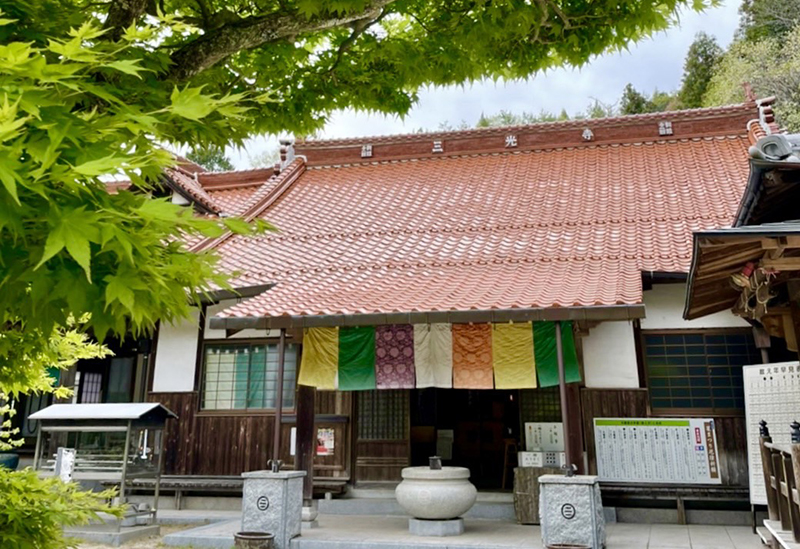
(753, 268)
(110, 444)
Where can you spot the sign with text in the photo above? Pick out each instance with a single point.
(771, 393)
(657, 450)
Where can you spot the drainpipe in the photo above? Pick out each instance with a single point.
(562, 390)
(276, 437)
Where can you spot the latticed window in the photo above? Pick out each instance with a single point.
(382, 415)
(539, 405)
(697, 372)
(238, 376)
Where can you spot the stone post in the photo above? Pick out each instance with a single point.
(272, 503)
(571, 511)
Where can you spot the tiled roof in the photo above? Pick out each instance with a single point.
(548, 227)
(187, 185)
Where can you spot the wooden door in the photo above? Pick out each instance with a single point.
(382, 435)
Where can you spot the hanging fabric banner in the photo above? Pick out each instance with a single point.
(357, 358)
(512, 355)
(320, 360)
(472, 356)
(394, 356)
(544, 347)
(433, 355)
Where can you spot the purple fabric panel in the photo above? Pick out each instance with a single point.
(394, 356)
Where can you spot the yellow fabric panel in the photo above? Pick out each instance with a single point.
(512, 356)
(320, 363)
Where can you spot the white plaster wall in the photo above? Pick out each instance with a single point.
(176, 355)
(609, 356)
(664, 310)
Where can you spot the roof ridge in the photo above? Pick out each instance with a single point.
(558, 124)
(374, 266)
(186, 185)
(279, 236)
(545, 149)
(282, 182)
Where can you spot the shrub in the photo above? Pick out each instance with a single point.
(33, 510)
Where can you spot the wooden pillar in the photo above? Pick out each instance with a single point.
(305, 438)
(562, 390)
(761, 337)
(574, 440)
(276, 434)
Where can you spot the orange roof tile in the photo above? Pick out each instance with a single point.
(540, 228)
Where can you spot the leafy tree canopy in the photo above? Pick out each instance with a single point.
(771, 66)
(595, 109)
(767, 18)
(701, 59)
(211, 158)
(94, 89)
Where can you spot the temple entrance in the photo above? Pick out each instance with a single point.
(467, 428)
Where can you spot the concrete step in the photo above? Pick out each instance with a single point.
(496, 510)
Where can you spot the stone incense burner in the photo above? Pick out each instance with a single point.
(436, 492)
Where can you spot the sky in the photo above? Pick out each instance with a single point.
(654, 63)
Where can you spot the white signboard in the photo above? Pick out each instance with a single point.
(771, 393)
(544, 437)
(672, 450)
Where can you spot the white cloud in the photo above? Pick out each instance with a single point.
(653, 63)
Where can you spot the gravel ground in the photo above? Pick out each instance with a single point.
(145, 543)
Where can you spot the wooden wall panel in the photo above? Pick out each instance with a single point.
(732, 449)
(217, 444)
(213, 444)
(381, 460)
(332, 403)
(608, 403)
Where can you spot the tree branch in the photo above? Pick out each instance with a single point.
(214, 46)
(121, 15)
(358, 29)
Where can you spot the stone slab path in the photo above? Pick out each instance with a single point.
(390, 532)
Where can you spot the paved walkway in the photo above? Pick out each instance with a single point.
(368, 532)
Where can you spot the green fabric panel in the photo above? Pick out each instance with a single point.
(357, 358)
(240, 374)
(258, 377)
(544, 349)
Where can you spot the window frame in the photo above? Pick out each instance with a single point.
(199, 389)
(687, 412)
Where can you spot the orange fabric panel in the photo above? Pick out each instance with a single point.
(472, 356)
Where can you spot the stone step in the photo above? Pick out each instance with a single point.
(390, 507)
(783, 537)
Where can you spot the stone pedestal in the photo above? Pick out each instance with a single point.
(309, 515)
(571, 511)
(273, 503)
(436, 528)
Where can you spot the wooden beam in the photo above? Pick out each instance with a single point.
(782, 263)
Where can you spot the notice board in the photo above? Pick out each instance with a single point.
(674, 450)
(771, 393)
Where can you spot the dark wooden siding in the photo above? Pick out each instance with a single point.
(731, 433)
(229, 444)
(608, 403)
(732, 448)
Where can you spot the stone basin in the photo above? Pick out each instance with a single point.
(436, 494)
